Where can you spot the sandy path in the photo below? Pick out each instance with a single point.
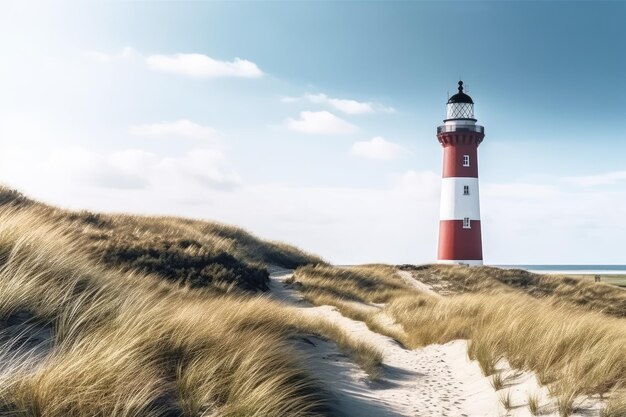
(435, 381)
(407, 277)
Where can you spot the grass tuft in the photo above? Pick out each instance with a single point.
(497, 381)
(534, 404)
(565, 404)
(616, 406)
(506, 400)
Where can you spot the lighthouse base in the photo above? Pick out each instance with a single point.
(473, 262)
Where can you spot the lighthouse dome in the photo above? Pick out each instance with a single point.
(460, 97)
(460, 106)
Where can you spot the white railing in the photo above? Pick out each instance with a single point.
(461, 128)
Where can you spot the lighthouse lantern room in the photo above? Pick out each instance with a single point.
(460, 240)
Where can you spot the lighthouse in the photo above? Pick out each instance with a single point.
(460, 239)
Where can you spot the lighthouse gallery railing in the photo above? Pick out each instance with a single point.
(457, 128)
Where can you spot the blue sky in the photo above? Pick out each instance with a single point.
(314, 123)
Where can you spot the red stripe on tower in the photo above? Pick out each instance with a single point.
(460, 240)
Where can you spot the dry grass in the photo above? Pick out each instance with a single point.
(616, 406)
(130, 344)
(565, 403)
(573, 350)
(451, 279)
(365, 284)
(506, 400)
(534, 404)
(497, 381)
(189, 252)
(353, 291)
(484, 355)
(578, 349)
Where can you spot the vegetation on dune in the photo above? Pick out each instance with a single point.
(82, 339)
(451, 279)
(579, 352)
(366, 283)
(352, 289)
(616, 406)
(190, 252)
(534, 403)
(571, 349)
(169, 247)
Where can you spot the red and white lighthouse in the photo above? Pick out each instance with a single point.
(460, 240)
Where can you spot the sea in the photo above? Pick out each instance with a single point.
(571, 269)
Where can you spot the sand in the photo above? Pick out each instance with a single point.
(438, 380)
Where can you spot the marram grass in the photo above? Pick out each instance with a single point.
(123, 343)
(574, 347)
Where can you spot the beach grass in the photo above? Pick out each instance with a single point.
(84, 338)
(576, 291)
(574, 347)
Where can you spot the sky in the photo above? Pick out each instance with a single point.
(314, 123)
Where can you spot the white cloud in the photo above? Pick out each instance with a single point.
(205, 166)
(126, 53)
(191, 65)
(181, 128)
(203, 66)
(351, 106)
(343, 105)
(320, 123)
(377, 148)
(608, 178)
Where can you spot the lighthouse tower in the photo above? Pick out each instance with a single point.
(459, 226)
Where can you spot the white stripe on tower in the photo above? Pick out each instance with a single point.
(457, 202)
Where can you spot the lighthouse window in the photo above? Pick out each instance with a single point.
(466, 223)
(466, 190)
(466, 160)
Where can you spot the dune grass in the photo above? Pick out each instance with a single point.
(575, 351)
(578, 291)
(506, 400)
(616, 406)
(582, 350)
(189, 252)
(131, 344)
(534, 404)
(354, 291)
(365, 283)
(497, 381)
